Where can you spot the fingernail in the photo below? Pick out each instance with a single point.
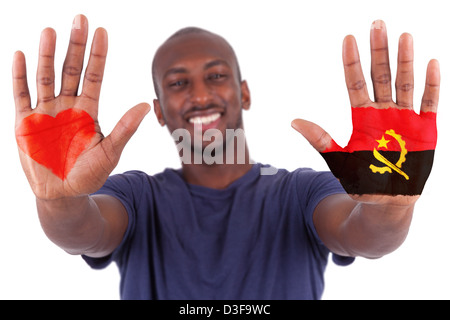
(378, 24)
(77, 23)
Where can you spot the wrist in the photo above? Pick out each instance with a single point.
(62, 202)
(73, 223)
(66, 209)
(388, 201)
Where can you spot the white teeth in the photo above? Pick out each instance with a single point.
(205, 119)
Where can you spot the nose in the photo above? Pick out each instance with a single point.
(200, 93)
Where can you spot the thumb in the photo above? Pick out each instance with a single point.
(127, 126)
(316, 136)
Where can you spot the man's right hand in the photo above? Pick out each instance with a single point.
(62, 150)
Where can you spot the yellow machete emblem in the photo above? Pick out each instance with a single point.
(389, 165)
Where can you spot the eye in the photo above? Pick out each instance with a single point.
(217, 76)
(178, 83)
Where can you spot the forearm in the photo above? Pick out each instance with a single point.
(74, 224)
(374, 230)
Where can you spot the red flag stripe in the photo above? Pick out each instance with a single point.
(380, 128)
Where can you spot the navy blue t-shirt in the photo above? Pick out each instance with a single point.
(253, 240)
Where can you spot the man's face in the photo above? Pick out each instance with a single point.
(198, 83)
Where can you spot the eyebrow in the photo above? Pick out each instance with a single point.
(215, 63)
(175, 71)
(210, 64)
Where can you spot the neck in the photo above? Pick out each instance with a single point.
(216, 176)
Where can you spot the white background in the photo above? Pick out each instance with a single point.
(290, 54)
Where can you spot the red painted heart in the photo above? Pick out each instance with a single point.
(56, 142)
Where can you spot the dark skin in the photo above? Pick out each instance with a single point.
(368, 226)
(196, 76)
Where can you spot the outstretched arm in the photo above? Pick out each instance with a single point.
(64, 154)
(388, 159)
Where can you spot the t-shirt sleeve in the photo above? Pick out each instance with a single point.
(312, 188)
(127, 189)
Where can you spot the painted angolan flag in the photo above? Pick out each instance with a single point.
(390, 152)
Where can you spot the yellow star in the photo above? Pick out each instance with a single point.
(382, 143)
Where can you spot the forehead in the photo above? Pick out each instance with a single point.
(191, 50)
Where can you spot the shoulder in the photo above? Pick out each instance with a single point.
(304, 176)
(136, 176)
(301, 183)
(135, 183)
(309, 178)
(306, 185)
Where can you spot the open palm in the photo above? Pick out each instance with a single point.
(61, 147)
(382, 126)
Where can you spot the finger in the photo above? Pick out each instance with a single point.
(354, 78)
(46, 71)
(381, 72)
(125, 128)
(73, 64)
(20, 85)
(430, 98)
(315, 135)
(404, 83)
(94, 72)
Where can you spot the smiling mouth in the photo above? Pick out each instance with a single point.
(205, 120)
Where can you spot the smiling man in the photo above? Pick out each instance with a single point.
(198, 84)
(221, 230)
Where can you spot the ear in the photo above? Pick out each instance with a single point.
(158, 112)
(245, 96)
